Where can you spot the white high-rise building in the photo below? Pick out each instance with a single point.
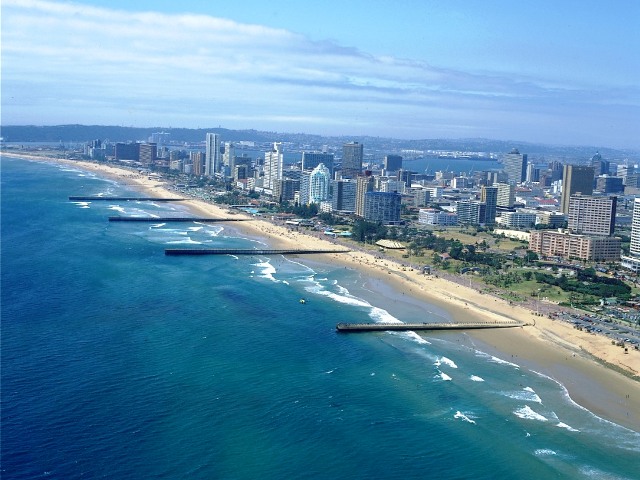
(319, 181)
(229, 156)
(212, 154)
(273, 166)
(635, 228)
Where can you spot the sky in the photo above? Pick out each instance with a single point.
(562, 72)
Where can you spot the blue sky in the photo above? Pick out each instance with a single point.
(559, 72)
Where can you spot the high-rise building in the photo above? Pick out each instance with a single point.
(606, 184)
(273, 165)
(127, 151)
(635, 228)
(311, 160)
(343, 195)
(319, 180)
(364, 184)
(383, 207)
(489, 196)
(592, 215)
(228, 157)
(600, 166)
(471, 212)
(197, 163)
(148, 153)
(212, 154)
(352, 155)
(515, 166)
(576, 179)
(392, 162)
(506, 195)
(569, 245)
(285, 189)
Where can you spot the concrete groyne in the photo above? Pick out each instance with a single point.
(246, 251)
(382, 327)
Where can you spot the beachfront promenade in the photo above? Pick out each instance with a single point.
(384, 327)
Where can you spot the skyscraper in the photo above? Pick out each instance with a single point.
(352, 155)
(489, 196)
(311, 160)
(273, 165)
(514, 165)
(576, 179)
(228, 158)
(212, 154)
(382, 207)
(635, 228)
(319, 184)
(392, 162)
(506, 195)
(592, 215)
(343, 196)
(364, 184)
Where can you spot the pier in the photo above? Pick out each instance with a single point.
(382, 327)
(246, 251)
(175, 219)
(123, 199)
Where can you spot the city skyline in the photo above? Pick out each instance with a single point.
(558, 74)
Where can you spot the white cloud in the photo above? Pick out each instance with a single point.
(66, 62)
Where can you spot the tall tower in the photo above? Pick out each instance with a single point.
(319, 180)
(212, 154)
(352, 155)
(392, 162)
(489, 195)
(228, 158)
(506, 195)
(364, 184)
(575, 179)
(514, 165)
(273, 165)
(635, 229)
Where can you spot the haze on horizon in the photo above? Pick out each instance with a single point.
(565, 73)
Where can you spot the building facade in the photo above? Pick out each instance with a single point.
(343, 195)
(273, 166)
(489, 196)
(392, 163)
(311, 160)
(568, 245)
(575, 179)
(319, 181)
(364, 184)
(212, 154)
(383, 207)
(431, 216)
(514, 165)
(592, 215)
(352, 156)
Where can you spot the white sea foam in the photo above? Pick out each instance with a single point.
(443, 376)
(413, 336)
(527, 394)
(567, 427)
(545, 452)
(195, 229)
(463, 417)
(82, 204)
(157, 225)
(475, 378)
(448, 362)
(380, 315)
(117, 208)
(267, 271)
(186, 241)
(527, 413)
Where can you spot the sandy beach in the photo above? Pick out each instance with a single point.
(588, 365)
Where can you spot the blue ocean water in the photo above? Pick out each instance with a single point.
(121, 362)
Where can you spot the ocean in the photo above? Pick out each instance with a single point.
(121, 362)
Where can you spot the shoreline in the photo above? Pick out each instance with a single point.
(596, 374)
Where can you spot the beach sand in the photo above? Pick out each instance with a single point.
(588, 365)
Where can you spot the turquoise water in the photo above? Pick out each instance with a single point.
(121, 362)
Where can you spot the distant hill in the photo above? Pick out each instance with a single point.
(85, 133)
